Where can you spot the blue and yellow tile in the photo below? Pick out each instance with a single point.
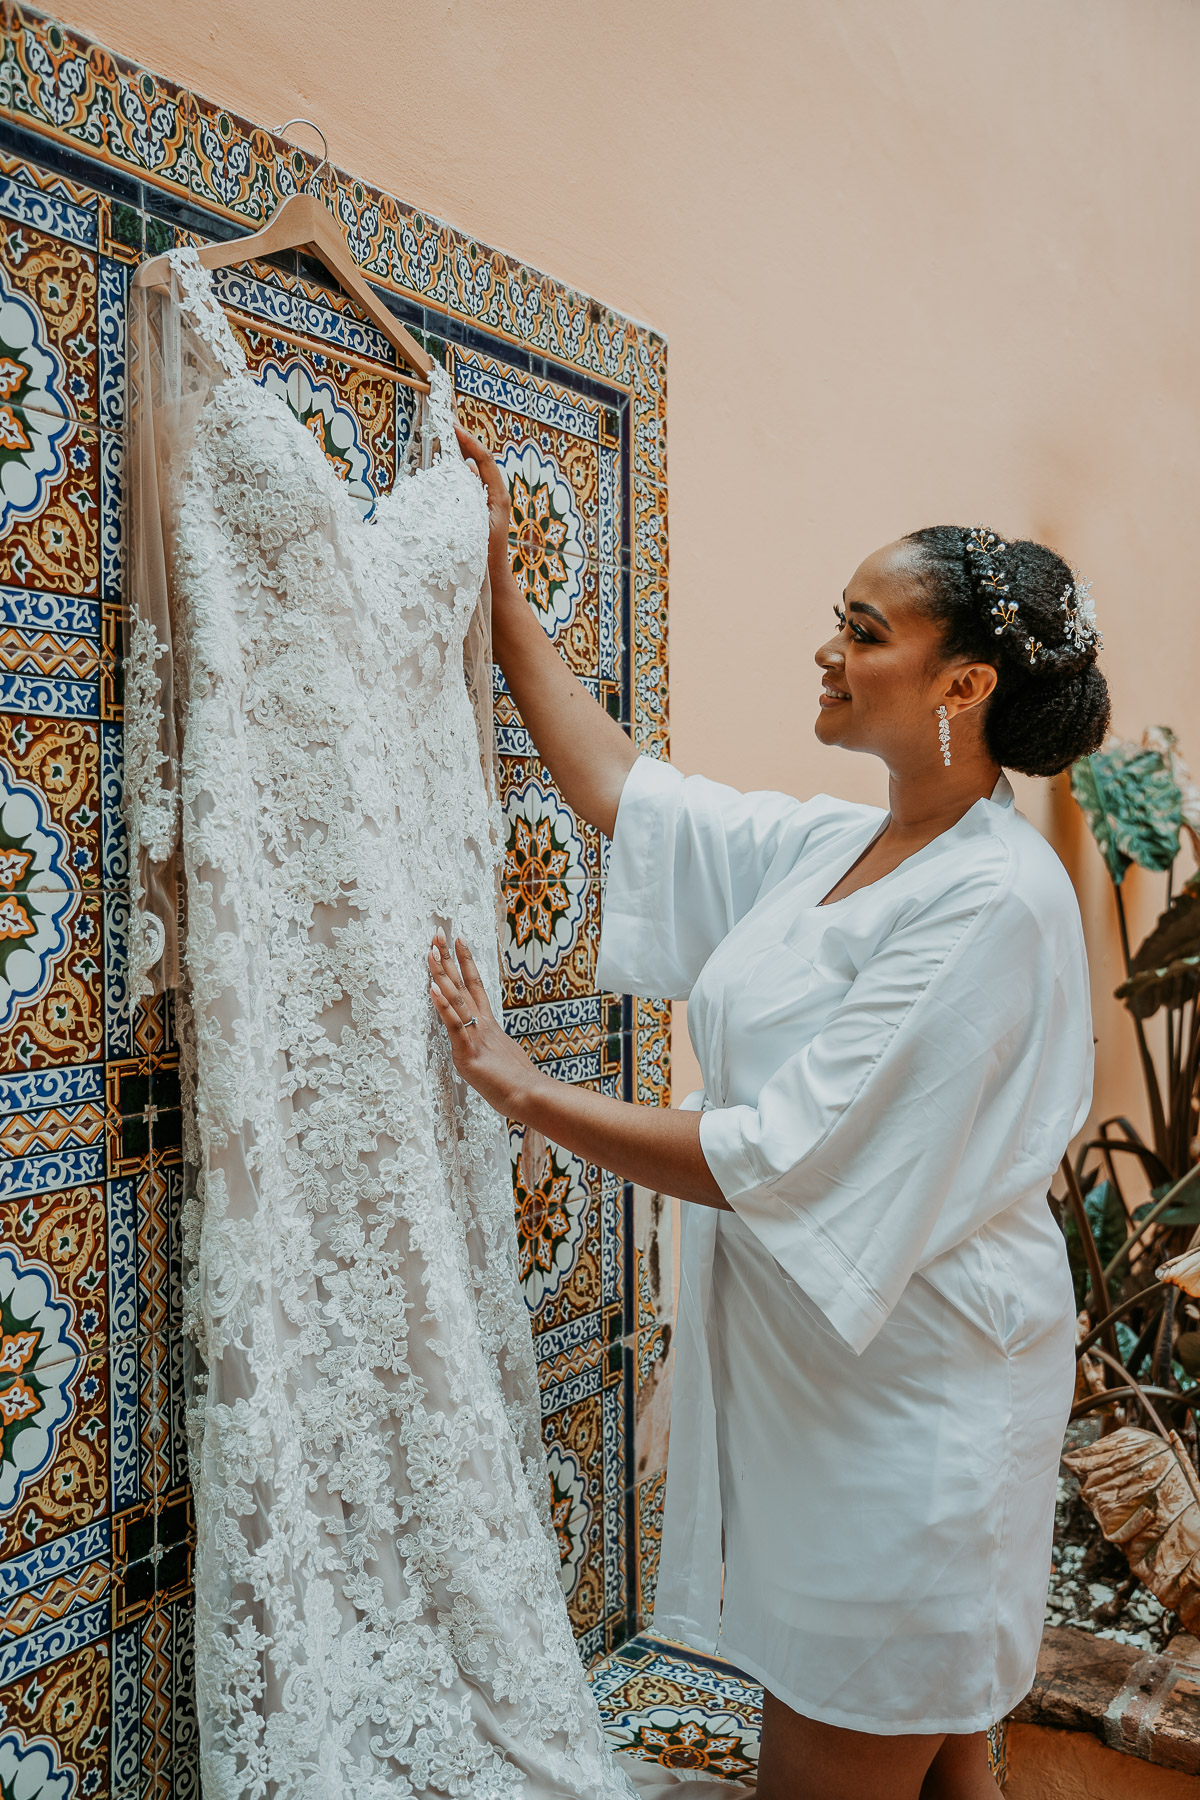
(54, 1451)
(54, 1739)
(663, 1703)
(48, 329)
(49, 501)
(569, 1235)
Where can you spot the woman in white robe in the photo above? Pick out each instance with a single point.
(890, 1010)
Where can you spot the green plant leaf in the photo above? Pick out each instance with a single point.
(1166, 967)
(1132, 804)
(1106, 1216)
(1185, 1208)
(1090, 797)
(1173, 986)
(1177, 932)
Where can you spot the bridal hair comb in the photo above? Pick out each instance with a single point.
(987, 549)
(982, 551)
(1080, 612)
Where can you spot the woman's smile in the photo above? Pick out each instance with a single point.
(832, 695)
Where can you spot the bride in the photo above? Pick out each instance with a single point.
(876, 1320)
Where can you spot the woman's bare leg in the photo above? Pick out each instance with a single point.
(960, 1771)
(802, 1760)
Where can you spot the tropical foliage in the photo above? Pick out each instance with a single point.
(1130, 1205)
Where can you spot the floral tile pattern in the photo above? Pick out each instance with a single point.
(50, 770)
(102, 163)
(55, 1739)
(51, 966)
(561, 457)
(570, 1236)
(55, 1452)
(666, 1704)
(49, 505)
(649, 1523)
(551, 889)
(583, 1423)
(48, 324)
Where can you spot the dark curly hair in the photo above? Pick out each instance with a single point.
(1044, 712)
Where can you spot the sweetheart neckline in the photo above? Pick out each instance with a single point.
(188, 257)
(440, 462)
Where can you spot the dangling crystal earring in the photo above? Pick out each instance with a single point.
(943, 735)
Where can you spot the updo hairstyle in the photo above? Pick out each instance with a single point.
(1050, 704)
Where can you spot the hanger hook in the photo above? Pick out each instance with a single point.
(313, 126)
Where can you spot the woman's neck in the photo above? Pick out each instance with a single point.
(927, 802)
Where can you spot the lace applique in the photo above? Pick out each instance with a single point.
(378, 1602)
(204, 309)
(438, 422)
(151, 808)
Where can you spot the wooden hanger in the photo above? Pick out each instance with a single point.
(303, 223)
(322, 347)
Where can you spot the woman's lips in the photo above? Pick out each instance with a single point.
(833, 696)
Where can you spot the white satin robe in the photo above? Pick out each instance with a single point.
(875, 1346)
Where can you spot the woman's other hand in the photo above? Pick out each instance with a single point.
(496, 488)
(484, 1055)
(652, 1145)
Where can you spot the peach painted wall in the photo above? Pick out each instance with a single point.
(915, 263)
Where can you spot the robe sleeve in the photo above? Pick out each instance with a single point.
(922, 1092)
(689, 858)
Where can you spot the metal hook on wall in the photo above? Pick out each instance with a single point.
(313, 126)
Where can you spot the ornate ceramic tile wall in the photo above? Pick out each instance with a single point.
(100, 164)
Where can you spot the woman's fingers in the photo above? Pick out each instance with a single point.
(485, 1058)
(470, 445)
(486, 466)
(470, 974)
(445, 1011)
(447, 982)
(460, 988)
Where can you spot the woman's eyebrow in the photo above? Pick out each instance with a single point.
(872, 612)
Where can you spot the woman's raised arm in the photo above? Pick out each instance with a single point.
(585, 750)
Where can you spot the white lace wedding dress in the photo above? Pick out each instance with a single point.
(378, 1605)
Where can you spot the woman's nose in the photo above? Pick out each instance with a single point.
(829, 655)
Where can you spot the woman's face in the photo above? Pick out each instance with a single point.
(883, 675)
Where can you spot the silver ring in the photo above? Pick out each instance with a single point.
(466, 1022)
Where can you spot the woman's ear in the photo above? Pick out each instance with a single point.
(971, 687)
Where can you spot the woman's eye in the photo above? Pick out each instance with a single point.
(861, 636)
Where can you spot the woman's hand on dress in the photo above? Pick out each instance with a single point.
(654, 1146)
(484, 1055)
(496, 488)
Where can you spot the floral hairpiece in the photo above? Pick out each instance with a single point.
(990, 581)
(986, 548)
(1080, 611)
